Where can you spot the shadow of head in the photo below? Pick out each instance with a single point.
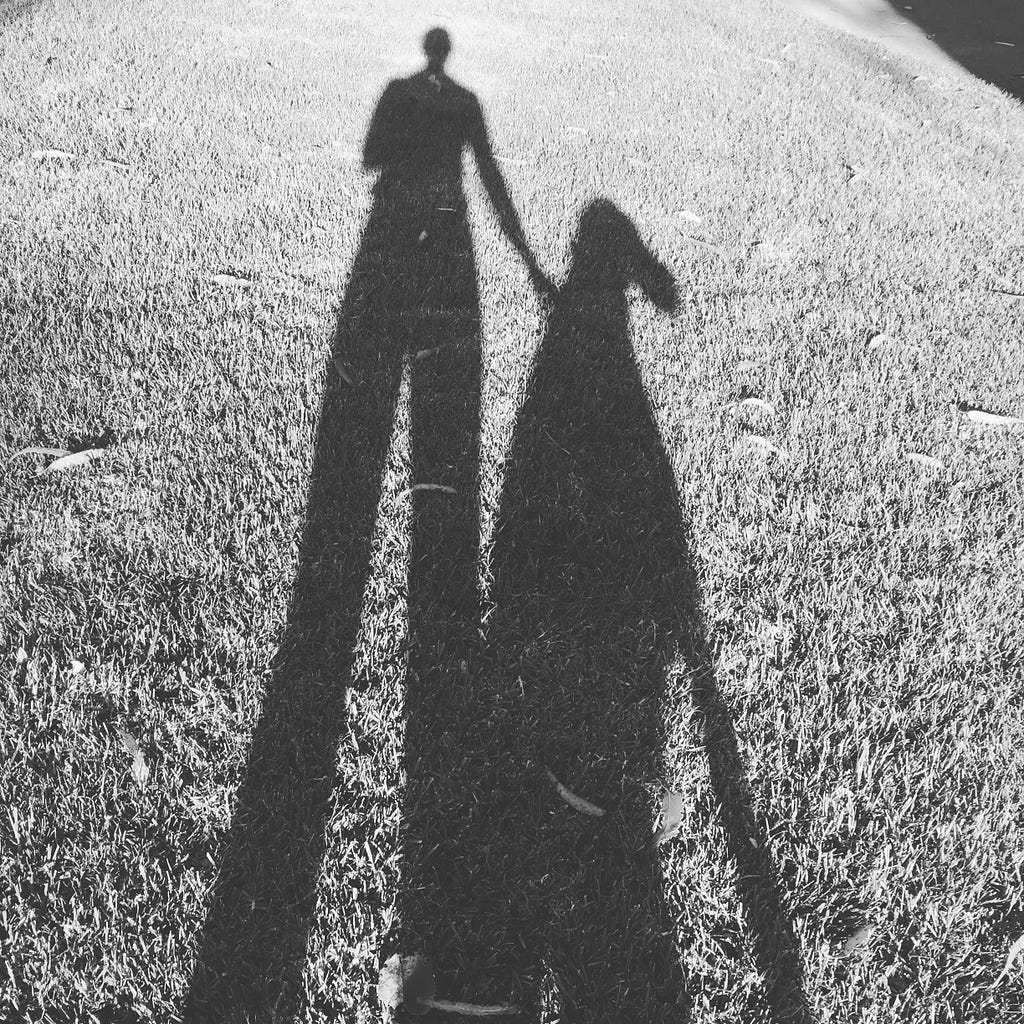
(608, 255)
(437, 44)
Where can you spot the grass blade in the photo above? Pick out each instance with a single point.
(1015, 951)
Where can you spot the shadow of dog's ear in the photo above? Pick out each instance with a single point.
(658, 284)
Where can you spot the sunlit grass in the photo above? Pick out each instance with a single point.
(865, 611)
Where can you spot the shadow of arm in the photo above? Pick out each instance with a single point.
(501, 200)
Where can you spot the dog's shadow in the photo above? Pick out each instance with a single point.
(515, 893)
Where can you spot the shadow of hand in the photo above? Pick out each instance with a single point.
(542, 284)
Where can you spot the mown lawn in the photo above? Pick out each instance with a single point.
(181, 207)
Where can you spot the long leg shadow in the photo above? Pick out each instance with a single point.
(252, 950)
(594, 594)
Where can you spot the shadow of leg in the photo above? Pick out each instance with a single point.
(617, 946)
(776, 946)
(252, 949)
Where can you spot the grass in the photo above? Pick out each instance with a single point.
(848, 695)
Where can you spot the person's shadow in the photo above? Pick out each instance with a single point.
(516, 896)
(413, 282)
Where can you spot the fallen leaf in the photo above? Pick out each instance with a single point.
(344, 371)
(57, 452)
(72, 461)
(857, 174)
(577, 803)
(470, 1009)
(764, 445)
(859, 942)
(407, 983)
(876, 341)
(753, 403)
(140, 770)
(710, 246)
(986, 418)
(672, 806)
(745, 365)
(230, 281)
(77, 667)
(422, 238)
(1015, 951)
(128, 741)
(925, 460)
(403, 982)
(444, 488)
(426, 353)
(689, 215)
